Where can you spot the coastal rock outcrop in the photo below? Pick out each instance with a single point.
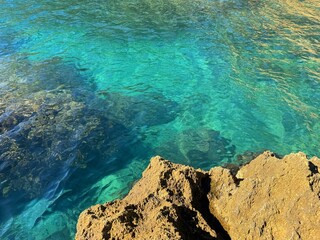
(168, 202)
(269, 198)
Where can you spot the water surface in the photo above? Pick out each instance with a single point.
(90, 90)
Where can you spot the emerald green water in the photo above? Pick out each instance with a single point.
(90, 90)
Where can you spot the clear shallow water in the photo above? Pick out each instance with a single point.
(90, 90)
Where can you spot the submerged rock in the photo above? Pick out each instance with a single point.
(52, 122)
(269, 198)
(141, 110)
(48, 128)
(39, 146)
(201, 148)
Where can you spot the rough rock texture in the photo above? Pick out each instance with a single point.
(268, 198)
(169, 202)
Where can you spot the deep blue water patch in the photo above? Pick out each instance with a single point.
(90, 90)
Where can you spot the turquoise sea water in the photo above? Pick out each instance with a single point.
(90, 90)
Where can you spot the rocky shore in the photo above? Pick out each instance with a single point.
(268, 198)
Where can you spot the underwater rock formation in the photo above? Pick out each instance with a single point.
(269, 198)
(54, 125)
(45, 135)
(141, 110)
(46, 123)
(197, 147)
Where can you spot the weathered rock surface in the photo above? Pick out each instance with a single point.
(169, 202)
(268, 198)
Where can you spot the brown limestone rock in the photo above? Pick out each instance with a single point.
(168, 202)
(269, 198)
